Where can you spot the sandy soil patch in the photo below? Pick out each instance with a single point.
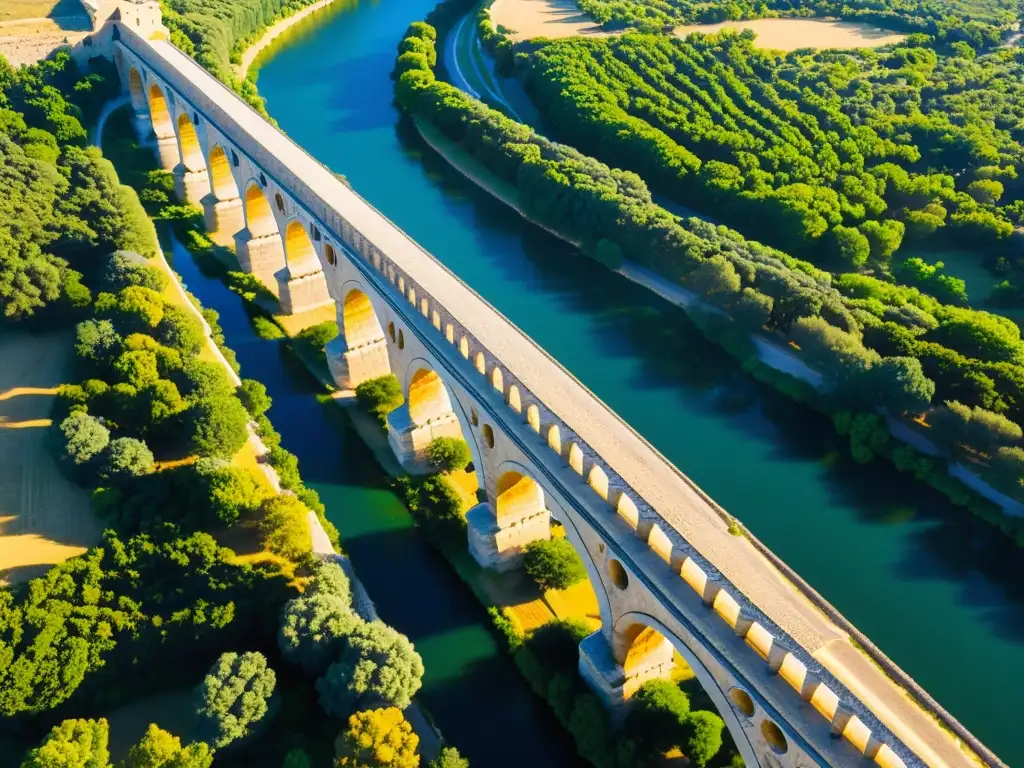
(562, 18)
(44, 518)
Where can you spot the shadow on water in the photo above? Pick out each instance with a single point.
(471, 687)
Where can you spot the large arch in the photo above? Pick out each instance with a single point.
(222, 181)
(427, 397)
(258, 216)
(191, 151)
(359, 322)
(136, 89)
(517, 495)
(635, 634)
(160, 113)
(299, 253)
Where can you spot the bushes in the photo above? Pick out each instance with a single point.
(379, 738)
(72, 744)
(285, 527)
(448, 454)
(234, 697)
(315, 629)
(217, 427)
(160, 749)
(254, 397)
(380, 396)
(554, 564)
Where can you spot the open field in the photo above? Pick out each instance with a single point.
(31, 29)
(563, 18)
(44, 518)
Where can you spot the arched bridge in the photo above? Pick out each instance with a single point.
(669, 575)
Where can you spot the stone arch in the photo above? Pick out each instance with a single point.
(480, 362)
(517, 495)
(136, 89)
(555, 439)
(188, 139)
(464, 347)
(259, 218)
(160, 113)
(427, 397)
(359, 321)
(515, 401)
(330, 255)
(576, 458)
(533, 417)
(222, 181)
(630, 628)
(299, 253)
(498, 379)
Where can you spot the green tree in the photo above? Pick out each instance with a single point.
(448, 454)
(851, 246)
(703, 737)
(329, 579)
(285, 527)
(554, 564)
(85, 438)
(160, 749)
(126, 268)
(380, 396)
(97, 341)
(127, 457)
(217, 427)
(378, 666)
(234, 493)
(449, 758)
(379, 738)
(899, 384)
(658, 716)
(254, 397)
(72, 744)
(315, 629)
(715, 279)
(234, 697)
(181, 330)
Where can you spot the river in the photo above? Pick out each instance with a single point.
(938, 591)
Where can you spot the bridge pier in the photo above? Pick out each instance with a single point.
(191, 186)
(350, 367)
(612, 682)
(167, 153)
(409, 440)
(499, 543)
(223, 217)
(261, 256)
(143, 125)
(301, 293)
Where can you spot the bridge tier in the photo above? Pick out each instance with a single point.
(662, 494)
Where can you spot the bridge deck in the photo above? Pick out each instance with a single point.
(636, 462)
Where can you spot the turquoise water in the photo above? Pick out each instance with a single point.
(939, 592)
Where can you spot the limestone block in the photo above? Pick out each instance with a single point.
(351, 367)
(501, 546)
(167, 152)
(409, 440)
(260, 256)
(610, 682)
(223, 217)
(191, 186)
(301, 294)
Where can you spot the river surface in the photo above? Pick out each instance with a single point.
(938, 591)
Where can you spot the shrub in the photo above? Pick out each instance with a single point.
(85, 438)
(703, 737)
(448, 454)
(285, 527)
(181, 330)
(449, 758)
(380, 396)
(127, 457)
(554, 564)
(379, 738)
(126, 268)
(97, 342)
(378, 666)
(233, 493)
(329, 579)
(72, 744)
(315, 629)
(160, 749)
(234, 697)
(254, 397)
(659, 713)
(217, 427)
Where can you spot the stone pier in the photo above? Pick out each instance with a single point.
(260, 256)
(302, 293)
(500, 544)
(223, 217)
(191, 186)
(612, 683)
(409, 440)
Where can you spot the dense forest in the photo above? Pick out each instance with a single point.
(879, 346)
(980, 23)
(835, 156)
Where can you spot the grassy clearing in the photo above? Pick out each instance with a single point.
(44, 517)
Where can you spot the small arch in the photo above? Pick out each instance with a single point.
(474, 417)
(498, 379)
(576, 459)
(222, 181)
(597, 480)
(401, 339)
(279, 202)
(435, 320)
(555, 439)
(258, 216)
(412, 295)
(424, 307)
(627, 510)
(359, 320)
(514, 401)
(742, 702)
(481, 364)
(533, 417)
(391, 331)
(160, 113)
(191, 152)
(518, 496)
(136, 88)
(775, 737)
(428, 398)
(464, 347)
(330, 255)
(401, 285)
(660, 543)
(488, 436)
(618, 574)
(449, 333)
(299, 253)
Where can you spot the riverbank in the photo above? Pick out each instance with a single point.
(272, 33)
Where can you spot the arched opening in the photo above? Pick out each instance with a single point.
(555, 439)
(742, 702)
(533, 417)
(576, 458)
(519, 496)
(435, 319)
(464, 347)
(488, 433)
(598, 481)
(618, 574)
(401, 339)
(498, 380)
(136, 89)
(191, 152)
(775, 737)
(449, 333)
(424, 307)
(222, 181)
(481, 364)
(391, 331)
(428, 398)
(330, 255)
(258, 216)
(359, 320)
(279, 202)
(299, 254)
(514, 401)
(160, 113)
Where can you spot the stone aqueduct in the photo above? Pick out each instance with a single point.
(792, 688)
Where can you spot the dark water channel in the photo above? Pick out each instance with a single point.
(939, 592)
